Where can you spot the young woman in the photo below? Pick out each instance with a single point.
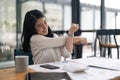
(45, 46)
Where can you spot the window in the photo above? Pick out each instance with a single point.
(7, 30)
(112, 17)
(67, 17)
(54, 15)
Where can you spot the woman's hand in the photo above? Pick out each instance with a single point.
(69, 41)
(79, 40)
(73, 28)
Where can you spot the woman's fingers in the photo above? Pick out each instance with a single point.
(73, 28)
(83, 41)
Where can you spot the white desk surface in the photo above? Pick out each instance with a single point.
(91, 73)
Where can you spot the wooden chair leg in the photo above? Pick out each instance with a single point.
(104, 52)
(100, 51)
(109, 53)
(94, 51)
(118, 52)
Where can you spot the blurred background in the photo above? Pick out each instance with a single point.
(59, 16)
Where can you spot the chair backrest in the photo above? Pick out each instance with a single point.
(18, 52)
(108, 32)
(108, 35)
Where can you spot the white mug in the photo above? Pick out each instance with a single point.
(21, 63)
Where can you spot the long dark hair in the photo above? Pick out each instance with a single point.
(29, 28)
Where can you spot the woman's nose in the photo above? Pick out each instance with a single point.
(45, 26)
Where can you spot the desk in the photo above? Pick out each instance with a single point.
(89, 74)
(10, 74)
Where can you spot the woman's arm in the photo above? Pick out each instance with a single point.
(79, 40)
(69, 41)
(45, 42)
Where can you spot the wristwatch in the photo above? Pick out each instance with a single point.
(71, 35)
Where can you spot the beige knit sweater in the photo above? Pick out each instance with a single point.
(46, 49)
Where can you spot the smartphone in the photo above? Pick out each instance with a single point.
(48, 66)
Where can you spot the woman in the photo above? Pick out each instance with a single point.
(45, 46)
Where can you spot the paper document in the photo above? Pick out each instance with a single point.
(103, 63)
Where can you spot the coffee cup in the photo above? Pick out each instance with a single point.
(21, 63)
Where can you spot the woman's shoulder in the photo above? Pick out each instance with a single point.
(36, 36)
(55, 35)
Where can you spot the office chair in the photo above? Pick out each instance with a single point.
(19, 52)
(107, 40)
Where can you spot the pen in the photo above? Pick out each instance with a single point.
(103, 68)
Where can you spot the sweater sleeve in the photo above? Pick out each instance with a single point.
(65, 52)
(46, 42)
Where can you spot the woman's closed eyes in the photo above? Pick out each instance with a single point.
(41, 25)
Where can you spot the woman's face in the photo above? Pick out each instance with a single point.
(41, 26)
